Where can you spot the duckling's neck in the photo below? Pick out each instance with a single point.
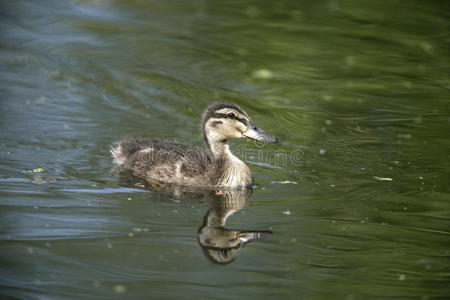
(234, 171)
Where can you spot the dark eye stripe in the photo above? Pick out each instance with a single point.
(225, 116)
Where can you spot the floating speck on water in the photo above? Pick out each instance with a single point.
(8, 153)
(288, 182)
(382, 178)
(407, 84)
(328, 122)
(293, 240)
(404, 136)
(420, 177)
(30, 250)
(109, 245)
(40, 99)
(417, 120)
(262, 74)
(350, 60)
(137, 229)
(55, 74)
(48, 245)
(402, 277)
(427, 47)
(120, 288)
(252, 11)
(242, 65)
(322, 151)
(38, 170)
(286, 212)
(327, 98)
(47, 225)
(284, 182)
(129, 198)
(39, 180)
(130, 234)
(332, 185)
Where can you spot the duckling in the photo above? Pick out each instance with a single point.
(176, 163)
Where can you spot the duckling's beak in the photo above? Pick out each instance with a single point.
(258, 134)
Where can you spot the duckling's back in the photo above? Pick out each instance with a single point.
(165, 161)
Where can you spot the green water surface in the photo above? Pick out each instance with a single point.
(352, 203)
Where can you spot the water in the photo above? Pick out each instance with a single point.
(353, 203)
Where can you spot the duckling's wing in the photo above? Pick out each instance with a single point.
(167, 161)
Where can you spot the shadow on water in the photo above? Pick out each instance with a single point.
(218, 244)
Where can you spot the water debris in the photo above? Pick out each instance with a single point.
(37, 170)
(287, 212)
(262, 74)
(402, 277)
(252, 11)
(322, 151)
(327, 98)
(328, 122)
(284, 182)
(129, 198)
(119, 288)
(404, 136)
(40, 99)
(39, 180)
(382, 178)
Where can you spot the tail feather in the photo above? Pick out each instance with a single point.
(126, 148)
(118, 155)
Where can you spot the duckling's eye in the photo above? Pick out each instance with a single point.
(231, 115)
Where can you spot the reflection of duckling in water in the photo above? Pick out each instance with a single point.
(174, 162)
(218, 244)
(221, 245)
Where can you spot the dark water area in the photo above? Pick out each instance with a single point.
(352, 203)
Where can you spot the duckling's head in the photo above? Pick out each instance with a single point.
(223, 120)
